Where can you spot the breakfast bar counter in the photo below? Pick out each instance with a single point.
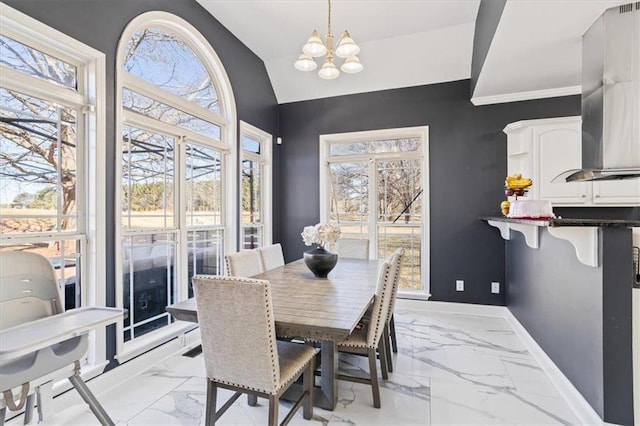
(583, 234)
(556, 222)
(569, 283)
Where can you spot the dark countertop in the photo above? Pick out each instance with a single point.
(616, 223)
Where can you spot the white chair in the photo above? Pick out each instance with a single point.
(246, 263)
(353, 248)
(29, 292)
(271, 256)
(240, 349)
(369, 340)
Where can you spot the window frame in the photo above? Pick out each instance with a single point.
(265, 159)
(90, 102)
(421, 132)
(227, 144)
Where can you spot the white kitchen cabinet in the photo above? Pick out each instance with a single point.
(542, 149)
(617, 192)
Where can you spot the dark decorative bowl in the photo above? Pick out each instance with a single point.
(320, 261)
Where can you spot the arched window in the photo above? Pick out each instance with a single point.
(177, 177)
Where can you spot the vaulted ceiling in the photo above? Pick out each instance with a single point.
(535, 52)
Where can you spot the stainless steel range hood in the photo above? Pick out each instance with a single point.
(610, 97)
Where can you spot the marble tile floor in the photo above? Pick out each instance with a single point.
(451, 369)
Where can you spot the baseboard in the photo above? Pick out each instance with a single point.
(576, 401)
(451, 307)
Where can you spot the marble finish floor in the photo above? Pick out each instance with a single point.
(451, 369)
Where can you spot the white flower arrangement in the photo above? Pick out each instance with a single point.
(321, 234)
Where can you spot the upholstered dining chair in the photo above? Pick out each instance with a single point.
(369, 339)
(246, 263)
(390, 329)
(240, 349)
(271, 256)
(354, 248)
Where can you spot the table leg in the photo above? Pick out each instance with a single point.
(329, 369)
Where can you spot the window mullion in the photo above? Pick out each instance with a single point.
(59, 191)
(133, 118)
(182, 255)
(379, 156)
(33, 86)
(154, 92)
(373, 207)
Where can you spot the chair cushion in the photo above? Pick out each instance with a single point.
(293, 357)
(357, 339)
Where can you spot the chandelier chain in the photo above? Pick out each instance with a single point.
(329, 19)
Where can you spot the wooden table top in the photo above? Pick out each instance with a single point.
(310, 307)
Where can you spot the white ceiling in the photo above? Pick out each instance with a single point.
(535, 52)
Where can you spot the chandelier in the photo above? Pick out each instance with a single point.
(314, 48)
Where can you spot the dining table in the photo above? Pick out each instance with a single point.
(324, 310)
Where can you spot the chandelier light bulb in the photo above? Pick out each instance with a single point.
(352, 65)
(328, 71)
(314, 47)
(346, 46)
(305, 63)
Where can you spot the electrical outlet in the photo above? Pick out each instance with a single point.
(459, 285)
(495, 287)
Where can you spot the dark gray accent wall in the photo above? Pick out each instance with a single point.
(99, 24)
(617, 284)
(467, 167)
(489, 14)
(579, 315)
(559, 301)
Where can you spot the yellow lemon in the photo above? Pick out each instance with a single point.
(504, 207)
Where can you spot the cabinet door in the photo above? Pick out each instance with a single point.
(559, 149)
(617, 192)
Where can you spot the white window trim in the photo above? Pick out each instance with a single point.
(201, 47)
(91, 65)
(265, 158)
(421, 132)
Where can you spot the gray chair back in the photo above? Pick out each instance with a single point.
(353, 248)
(239, 344)
(246, 263)
(271, 256)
